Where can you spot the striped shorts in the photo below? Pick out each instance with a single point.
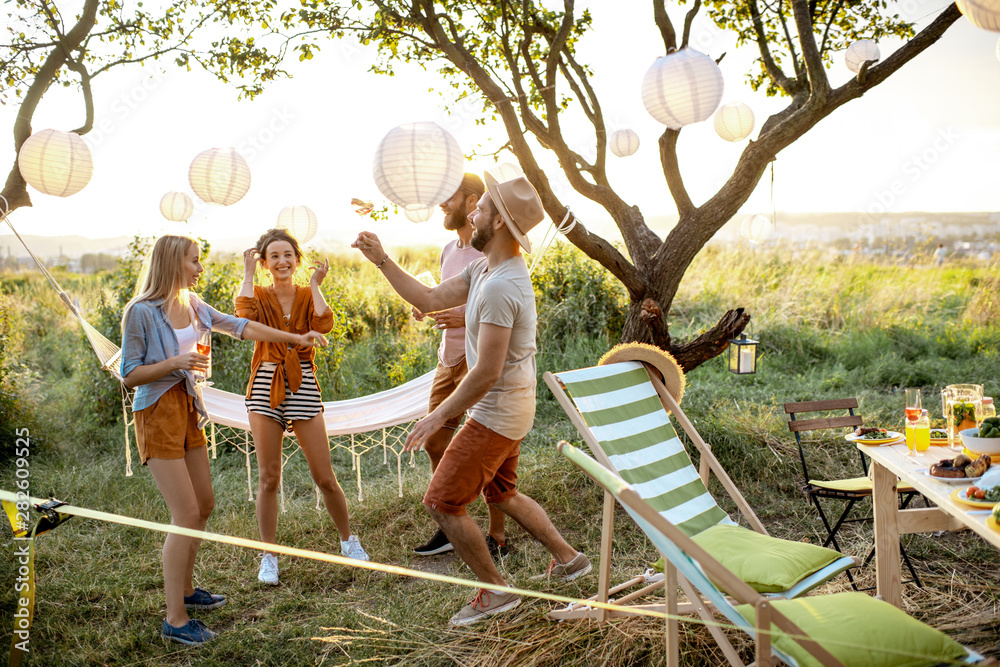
(304, 404)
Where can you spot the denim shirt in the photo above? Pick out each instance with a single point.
(148, 338)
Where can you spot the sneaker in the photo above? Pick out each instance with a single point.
(497, 549)
(483, 605)
(191, 633)
(352, 548)
(268, 573)
(202, 599)
(577, 567)
(437, 545)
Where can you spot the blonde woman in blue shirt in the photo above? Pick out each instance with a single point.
(160, 328)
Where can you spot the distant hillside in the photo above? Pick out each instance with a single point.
(50, 247)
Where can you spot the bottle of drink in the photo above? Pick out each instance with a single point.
(922, 432)
(987, 409)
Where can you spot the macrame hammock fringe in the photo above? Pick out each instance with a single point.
(356, 425)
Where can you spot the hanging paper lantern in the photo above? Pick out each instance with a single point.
(983, 14)
(219, 176)
(624, 143)
(681, 88)
(506, 172)
(734, 121)
(176, 206)
(419, 214)
(418, 165)
(860, 52)
(756, 228)
(55, 163)
(300, 221)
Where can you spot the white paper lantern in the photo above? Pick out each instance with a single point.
(507, 171)
(55, 163)
(859, 52)
(734, 121)
(418, 165)
(300, 221)
(419, 214)
(681, 88)
(624, 143)
(219, 176)
(756, 228)
(176, 206)
(983, 14)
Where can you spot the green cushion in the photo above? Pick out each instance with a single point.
(768, 564)
(860, 630)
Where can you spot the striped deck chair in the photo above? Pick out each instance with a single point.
(830, 630)
(621, 412)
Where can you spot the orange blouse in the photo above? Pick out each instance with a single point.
(264, 307)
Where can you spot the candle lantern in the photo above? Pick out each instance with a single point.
(743, 355)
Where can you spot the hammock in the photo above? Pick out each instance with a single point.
(379, 417)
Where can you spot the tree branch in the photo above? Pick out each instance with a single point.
(672, 172)
(662, 20)
(787, 84)
(819, 85)
(688, 20)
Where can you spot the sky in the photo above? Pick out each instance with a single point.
(927, 139)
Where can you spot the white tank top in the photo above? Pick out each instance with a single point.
(187, 337)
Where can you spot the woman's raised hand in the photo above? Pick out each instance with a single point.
(312, 339)
(319, 269)
(250, 256)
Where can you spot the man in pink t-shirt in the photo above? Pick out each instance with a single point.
(452, 366)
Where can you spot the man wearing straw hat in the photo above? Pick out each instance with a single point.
(498, 392)
(452, 366)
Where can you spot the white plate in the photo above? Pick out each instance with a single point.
(969, 481)
(890, 436)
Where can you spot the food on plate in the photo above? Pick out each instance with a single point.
(988, 495)
(996, 513)
(871, 433)
(961, 466)
(990, 428)
(939, 434)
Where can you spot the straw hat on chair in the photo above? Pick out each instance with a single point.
(670, 371)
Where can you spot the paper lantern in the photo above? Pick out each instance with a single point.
(220, 176)
(300, 221)
(506, 172)
(734, 121)
(419, 214)
(176, 206)
(624, 143)
(55, 163)
(859, 52)
(983, 14)
(418, 165)
(681, 88)
(756, 228)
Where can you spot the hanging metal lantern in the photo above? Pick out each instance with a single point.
(743, 355)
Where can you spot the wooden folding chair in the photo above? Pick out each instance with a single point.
(850, 490)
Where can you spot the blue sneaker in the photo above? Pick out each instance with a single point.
(192, 633)
(202, 599)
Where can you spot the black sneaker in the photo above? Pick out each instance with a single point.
(497, 550)
(438, 544)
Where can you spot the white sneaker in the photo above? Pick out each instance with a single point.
(352, 548)
(268, 570)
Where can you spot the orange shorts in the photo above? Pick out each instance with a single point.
(478, 460)
(168, 429)
(446, 379)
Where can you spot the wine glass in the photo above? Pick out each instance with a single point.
(204, 346)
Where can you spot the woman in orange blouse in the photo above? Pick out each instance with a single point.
(283, 393)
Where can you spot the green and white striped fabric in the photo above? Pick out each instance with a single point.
(625, 415)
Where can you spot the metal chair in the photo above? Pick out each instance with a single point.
(850, 490)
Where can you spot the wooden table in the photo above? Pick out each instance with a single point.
(890, 465)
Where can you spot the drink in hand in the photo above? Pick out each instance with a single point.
(204, 346)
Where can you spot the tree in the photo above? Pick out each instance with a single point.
(521, 57)
(41, 52)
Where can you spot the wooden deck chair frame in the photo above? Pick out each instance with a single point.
(700, 575)
(708, 465)
(814, 492)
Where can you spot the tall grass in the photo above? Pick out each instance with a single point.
(827, 328)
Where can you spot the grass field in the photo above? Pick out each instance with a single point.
(829, 328)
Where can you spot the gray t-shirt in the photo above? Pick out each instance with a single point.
(503, 296)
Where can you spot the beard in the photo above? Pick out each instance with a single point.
(481, 238)
(454, 220)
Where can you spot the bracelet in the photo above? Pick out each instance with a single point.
(379, 265)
